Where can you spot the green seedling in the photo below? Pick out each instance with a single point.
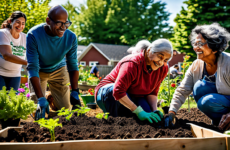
(102, 115)
(82, 110)
(50, 124)
(65, 112)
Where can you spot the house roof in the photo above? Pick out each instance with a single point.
(109, 51)
(81, 47)
(115, 52)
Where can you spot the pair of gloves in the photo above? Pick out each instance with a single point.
(155, 116)
(43, 104)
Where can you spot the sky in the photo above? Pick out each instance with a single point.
(173, 6)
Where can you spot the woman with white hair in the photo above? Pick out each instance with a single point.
(132, 86)
(208, 77)
(140, 47)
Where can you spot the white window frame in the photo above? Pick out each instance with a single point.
(84, 63)
(94, 63)
(180, 64)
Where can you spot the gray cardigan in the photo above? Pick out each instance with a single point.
(194, 73)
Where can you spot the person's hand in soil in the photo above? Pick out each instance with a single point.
(42, 109)
(159, 113)
(142, 115)
(169, 119)
(225, 122)
(74, 98)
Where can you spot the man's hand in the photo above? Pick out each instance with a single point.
(170, 119)
(74, 99)
(42, 109)
(225, 122)
(142, 115)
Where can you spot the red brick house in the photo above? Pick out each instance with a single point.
(104, 54)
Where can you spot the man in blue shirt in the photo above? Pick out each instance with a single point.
(50, 48)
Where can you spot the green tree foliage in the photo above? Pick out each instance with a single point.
(35, 10)
(198, 13)
(72, 12)
(122, 22)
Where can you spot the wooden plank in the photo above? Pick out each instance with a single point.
(134, 144)
(4, 132)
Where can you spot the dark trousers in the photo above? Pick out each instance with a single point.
(211, 103)
(107, 103)
(10, 82)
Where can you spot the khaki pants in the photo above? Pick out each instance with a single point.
(57, 81)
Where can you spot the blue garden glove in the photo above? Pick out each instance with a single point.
(74, 99)
(142, 115)
(170, 120)
(42, 109)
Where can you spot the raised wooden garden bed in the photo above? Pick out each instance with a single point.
(206, 139)
(118, 133)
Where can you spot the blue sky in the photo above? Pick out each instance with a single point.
(173, 6)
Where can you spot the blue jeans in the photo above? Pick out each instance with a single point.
(208, 101)
(10, 82)
(107, 103)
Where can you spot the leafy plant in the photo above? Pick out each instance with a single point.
(50, 124)
(82, 110)
(168, 86)
(15, 106)
(102, 115)
(66, 112)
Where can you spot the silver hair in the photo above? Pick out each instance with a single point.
(216, 36)
(140, 46)
(161, 45)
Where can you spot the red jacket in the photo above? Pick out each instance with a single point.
(131, 75)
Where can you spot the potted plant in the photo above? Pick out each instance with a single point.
(24, 79)
(89, 97)
(13, 107)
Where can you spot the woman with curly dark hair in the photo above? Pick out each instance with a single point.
(12, 50)
(208, 77)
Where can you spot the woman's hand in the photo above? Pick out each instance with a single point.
(225, 122)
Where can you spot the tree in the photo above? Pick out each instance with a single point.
(198, 13)
(72, 13)
(36, 11)
(122, 22)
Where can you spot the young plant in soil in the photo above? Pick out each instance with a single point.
(102, 115)
(82, 110)
(50, 124)
(66, 112)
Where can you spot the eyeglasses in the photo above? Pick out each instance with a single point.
(60, 24)
(198, 44)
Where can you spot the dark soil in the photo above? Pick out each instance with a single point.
(87, 128)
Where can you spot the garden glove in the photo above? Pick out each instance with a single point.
(170, 120)
(159, 113)
(74, 99)
(142, 115)
(42, 109)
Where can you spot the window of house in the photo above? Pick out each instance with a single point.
(93, 63)
(83, 63)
